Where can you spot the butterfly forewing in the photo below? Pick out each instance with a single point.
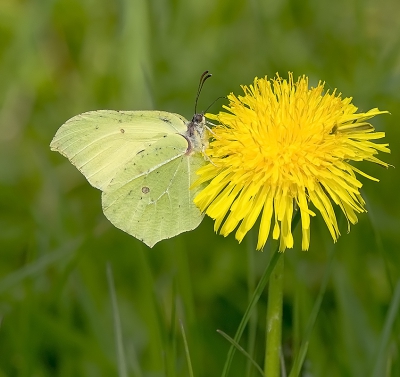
(99, 143)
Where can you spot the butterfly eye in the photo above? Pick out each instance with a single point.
(198, 118)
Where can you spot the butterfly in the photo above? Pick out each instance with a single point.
(144, 162)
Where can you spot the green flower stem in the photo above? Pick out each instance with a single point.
(274, 321)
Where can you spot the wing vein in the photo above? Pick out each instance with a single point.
(147, 172)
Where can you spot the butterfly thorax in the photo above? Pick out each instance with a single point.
(196, 134)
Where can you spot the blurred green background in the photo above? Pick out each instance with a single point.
(59, 58)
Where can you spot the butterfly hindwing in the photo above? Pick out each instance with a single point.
(150, 197)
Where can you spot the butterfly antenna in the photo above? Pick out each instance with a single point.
(206, 75)
(212, 103)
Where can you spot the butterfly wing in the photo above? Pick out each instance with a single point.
(150, 197)
(100, 142)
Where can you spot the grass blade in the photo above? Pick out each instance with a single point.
(122, 370)
(35, 267)
(241, 349)
(186, 350)
(299, 359)
(393, 313)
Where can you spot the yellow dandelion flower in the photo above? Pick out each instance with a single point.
(281, 147)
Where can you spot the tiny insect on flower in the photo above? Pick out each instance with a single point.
(283, 147)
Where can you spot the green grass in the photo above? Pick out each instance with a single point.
(59, 58)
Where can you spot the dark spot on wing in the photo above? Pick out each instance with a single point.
(145, 190)
(122, 130)
(166, 120)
